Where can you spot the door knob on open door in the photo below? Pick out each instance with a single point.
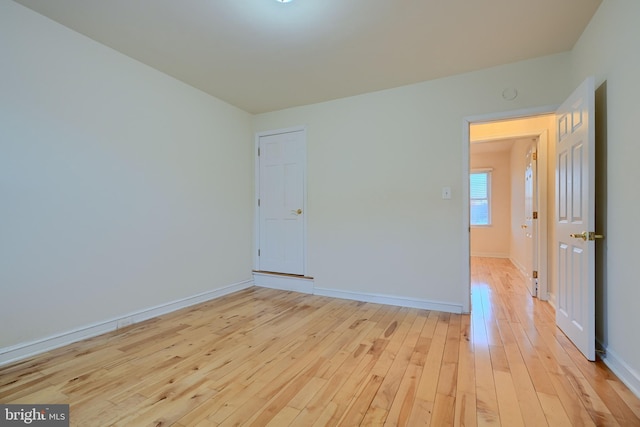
(298, 212)
(582, 235)
(587, 236)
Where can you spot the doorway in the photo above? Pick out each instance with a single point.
(500, 144)
(280, 219)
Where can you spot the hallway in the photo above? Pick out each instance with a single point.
(526, 370)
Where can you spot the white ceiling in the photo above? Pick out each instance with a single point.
(495, 146)
(261, 55)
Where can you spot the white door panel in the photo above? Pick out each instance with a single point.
(281, 210)
(575, 219)
(530, 225)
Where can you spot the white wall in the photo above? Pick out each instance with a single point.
(517, 239)
(609, 49)
(494, 240)
(376, 167)
(120, 187)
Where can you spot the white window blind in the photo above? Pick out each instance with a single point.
(480, 197)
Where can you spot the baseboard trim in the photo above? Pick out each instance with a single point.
(490, 254)
(24, 350)
(390, 300)
(552, 300)
(520, 267)
(623, 371)
(281, 282)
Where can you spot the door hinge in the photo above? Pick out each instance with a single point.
(535, 215)
(258, 252)
(258, 202)
(535, 274)
(258, 151)
(534, 155)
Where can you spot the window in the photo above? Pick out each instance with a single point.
(480, 193)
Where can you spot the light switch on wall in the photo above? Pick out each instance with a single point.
(446, 192)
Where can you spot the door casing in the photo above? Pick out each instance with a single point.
(543, 143)
(530, 226)
(258, 135)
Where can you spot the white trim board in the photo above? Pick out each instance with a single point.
(520, 267)
(489, 254)
(306, 285)
(390, 300)
(552, 300)
(623, 371)
(283, 283)
(23, 350)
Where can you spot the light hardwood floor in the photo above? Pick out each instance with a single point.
(265, 357)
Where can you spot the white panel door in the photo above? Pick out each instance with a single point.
(281, 198)
(575, 186)
(530, 225)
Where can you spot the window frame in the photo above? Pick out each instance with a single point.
(487, 172)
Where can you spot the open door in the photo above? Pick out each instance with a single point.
(530, 226)
(575, 219)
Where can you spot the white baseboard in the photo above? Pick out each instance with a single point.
(552, 300)
(283, 283)
(24, 350)
(297, 284)
(390, 300)
(306, 285)
(490, 254)
(626, 374)
(520, 267)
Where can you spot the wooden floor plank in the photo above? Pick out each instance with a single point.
(530, 407)
(465, 403)
(402, 404)
(553, 410)
(266, 357)
(626, 395)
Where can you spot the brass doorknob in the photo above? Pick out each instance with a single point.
(298, 212)
(587, 236)
(582, 235)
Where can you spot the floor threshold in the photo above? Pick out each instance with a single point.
(275, 273)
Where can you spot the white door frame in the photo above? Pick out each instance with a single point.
(256, 219)
(543, 146)
(532, 244)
